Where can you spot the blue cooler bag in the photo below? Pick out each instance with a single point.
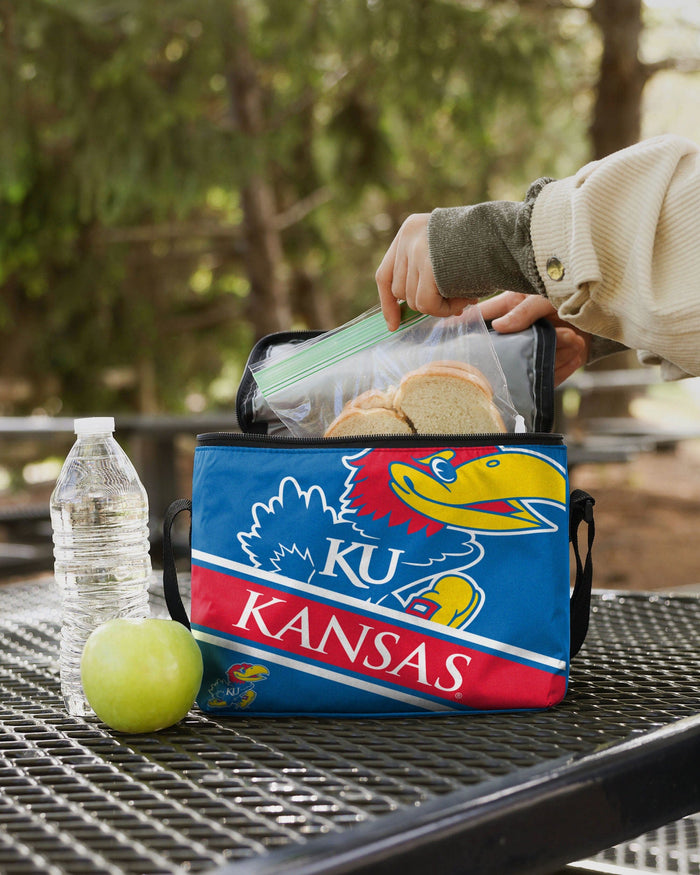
(383, 577)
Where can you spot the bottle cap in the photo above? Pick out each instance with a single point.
(94, 425)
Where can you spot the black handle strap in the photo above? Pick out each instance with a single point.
(581, 511)
(173, 600)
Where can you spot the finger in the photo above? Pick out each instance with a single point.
(499, 304)
(458, 305)
(428, 298)
(455, 306)
(384, 278)
(523, 314)
(430, 301)
(563, 371)
(402, 269)
(411, 288)
(572, 343)
(391, 309)
(571, 354)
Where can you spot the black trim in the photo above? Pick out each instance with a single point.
(528, 825)
(171, 591)
(232, 438)
(546, 341)
(248, 388)
(581, 511)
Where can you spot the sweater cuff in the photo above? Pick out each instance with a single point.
(486, 248)
(601, 347)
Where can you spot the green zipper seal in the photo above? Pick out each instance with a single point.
(330, 349)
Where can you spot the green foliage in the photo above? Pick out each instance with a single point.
(122, 262)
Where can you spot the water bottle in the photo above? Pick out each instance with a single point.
(99, 515)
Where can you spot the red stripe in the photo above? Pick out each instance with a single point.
(336, 636)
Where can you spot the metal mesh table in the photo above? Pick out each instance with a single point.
(317, 795)
(673, 849)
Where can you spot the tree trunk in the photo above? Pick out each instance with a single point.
(310, 304)
(616, 119)
(616, 123)
(270, 308)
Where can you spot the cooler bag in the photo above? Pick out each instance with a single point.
(383, 577)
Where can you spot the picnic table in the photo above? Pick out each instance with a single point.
(493, 793)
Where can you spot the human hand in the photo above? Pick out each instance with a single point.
(513, 311)
(406, 274)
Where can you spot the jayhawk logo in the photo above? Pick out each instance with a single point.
(492, 491)
(237, 689)
(408, 525)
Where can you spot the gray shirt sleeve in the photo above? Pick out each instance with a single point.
(602, 347)
(485, 248)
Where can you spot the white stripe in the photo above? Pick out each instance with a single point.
(609, 868)
(458, 635)
(318, 671)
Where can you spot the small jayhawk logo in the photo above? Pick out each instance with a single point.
(237, 689)
(406, 530)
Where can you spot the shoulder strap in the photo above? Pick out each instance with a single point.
(581, 510)
(173, 600)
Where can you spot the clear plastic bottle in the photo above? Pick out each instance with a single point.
(99, 515)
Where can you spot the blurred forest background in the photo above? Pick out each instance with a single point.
(181, 177)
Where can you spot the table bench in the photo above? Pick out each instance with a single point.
(151, 442)
(27, 546)
(499, 793)
(606, 439)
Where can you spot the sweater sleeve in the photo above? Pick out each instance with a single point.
(482, 249)
(617, 247)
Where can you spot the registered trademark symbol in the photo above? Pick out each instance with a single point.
(458, 695)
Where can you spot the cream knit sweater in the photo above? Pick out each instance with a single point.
(626, 229)
(616, 247)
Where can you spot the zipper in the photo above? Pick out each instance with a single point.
(330, 349)
(231, 439)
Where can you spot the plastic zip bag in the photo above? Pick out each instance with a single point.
(309, 386)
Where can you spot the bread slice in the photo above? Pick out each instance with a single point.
(460, 368)
(382, 398)
(447, 401)
(375, 420)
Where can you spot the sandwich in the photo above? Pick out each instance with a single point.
(443, 397)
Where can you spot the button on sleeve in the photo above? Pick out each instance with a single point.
(555, 269)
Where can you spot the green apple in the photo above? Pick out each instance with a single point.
(141, 675)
